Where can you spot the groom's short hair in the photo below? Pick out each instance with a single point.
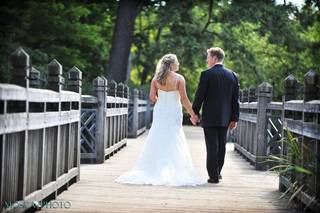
(216, 51)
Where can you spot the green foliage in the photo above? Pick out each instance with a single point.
(290, 163)
(263, 41)
(161, 30)
(72, 32)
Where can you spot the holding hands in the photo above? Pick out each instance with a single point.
(194, 119)
(232, 125)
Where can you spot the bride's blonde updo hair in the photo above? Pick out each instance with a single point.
(163, 67)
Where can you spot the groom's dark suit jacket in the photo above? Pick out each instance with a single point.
(218, 92)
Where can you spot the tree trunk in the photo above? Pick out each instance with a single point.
(122, 38)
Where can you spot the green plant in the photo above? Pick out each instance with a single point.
(287, 164)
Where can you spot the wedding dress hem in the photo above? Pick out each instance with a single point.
(165, 158)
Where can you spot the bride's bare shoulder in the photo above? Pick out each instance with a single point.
(180, 77)
(154, 80)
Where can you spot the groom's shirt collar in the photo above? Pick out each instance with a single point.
(217, 65)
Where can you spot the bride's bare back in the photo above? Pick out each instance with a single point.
(174, 82)
(171, 83)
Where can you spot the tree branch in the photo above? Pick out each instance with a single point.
(209, 17)
(158, 34)
(215, 34)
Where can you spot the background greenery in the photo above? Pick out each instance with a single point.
(264, 41)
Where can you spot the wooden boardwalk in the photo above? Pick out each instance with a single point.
(242, 188)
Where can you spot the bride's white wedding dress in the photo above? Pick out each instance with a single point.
(165, 158)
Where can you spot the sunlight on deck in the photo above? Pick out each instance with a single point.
(242, 188)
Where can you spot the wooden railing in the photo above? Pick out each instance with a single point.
(104, 120)
(264, 123)
(39, 133)
(43, 130)
(258, 126)
(140, 113)
(302, 119)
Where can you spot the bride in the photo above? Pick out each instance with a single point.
(165, 157)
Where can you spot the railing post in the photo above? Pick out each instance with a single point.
(55, 82)
(120, 94)
(135, 115)
(100, 87)
(148, 114)
(241, 95)
(126, 91)
(112, 88)
(105, 118)
(143, 97)
(310, 86)
(264, 98)
(112, 91)
(75, 80)
(20, 62)
(290, 88)
(252, 94)
(311, 92)
(318, 86)
(34, 78)
(55, 79)
(120, 90)
(142, 122)
(126, 95)
(240, 123)
(75, 84)
(245, 95)
(35, 82)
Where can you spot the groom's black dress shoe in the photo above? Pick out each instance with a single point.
(216, 180)
(220, 177)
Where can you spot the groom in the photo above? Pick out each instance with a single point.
(218, 94)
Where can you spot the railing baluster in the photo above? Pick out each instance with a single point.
(33, 134)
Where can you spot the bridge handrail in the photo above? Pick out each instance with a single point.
(104, 120)
(39, 131)
(140, 113)
(260, 129)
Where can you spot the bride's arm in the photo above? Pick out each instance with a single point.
(153, 91)
(184, 97)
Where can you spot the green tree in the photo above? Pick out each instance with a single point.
(75, 33)
(122, 38)
(264, 41)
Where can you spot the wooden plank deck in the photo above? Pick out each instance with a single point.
(242, 188)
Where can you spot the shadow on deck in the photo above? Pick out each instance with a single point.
(242, 188)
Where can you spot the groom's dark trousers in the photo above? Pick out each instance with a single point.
(216, 148)
(218, 95)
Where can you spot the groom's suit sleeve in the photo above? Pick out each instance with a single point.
(235, 100)
(200, 94)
